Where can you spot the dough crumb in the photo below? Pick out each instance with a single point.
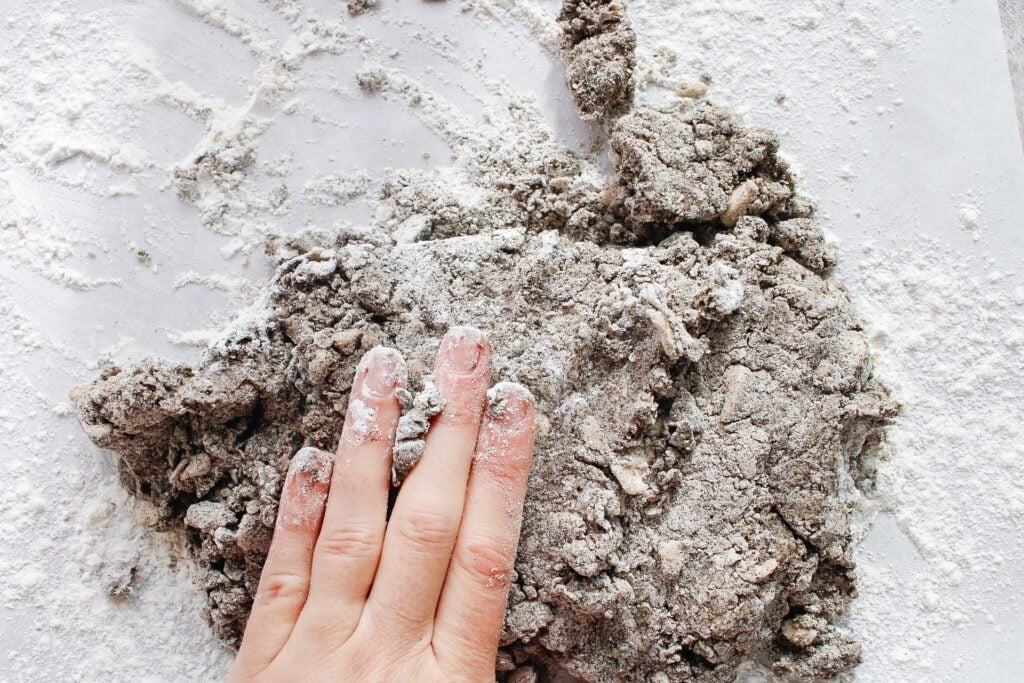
(417, 410)
(357, 7)
(599, 50)
(693, 162)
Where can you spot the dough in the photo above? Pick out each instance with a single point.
(708, 419)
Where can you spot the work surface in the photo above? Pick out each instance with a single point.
(899, 116)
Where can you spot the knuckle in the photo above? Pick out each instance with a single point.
(488, 561)
(349, 542)
(282, 588)
(429, 531)
(388, 615)
(466, 654)
(323, 630)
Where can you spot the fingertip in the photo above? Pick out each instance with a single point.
(464, 351)
(373, 402)
(507, 433)
(511, 406)
(380, 372)
(285, 578)
(305, 488)
(462, 373)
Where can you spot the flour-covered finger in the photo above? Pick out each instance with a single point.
(347, 550)
(472, 604)
(284, 583)
(428, 510)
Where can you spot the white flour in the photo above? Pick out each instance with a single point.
(950, 339)
(104, 112)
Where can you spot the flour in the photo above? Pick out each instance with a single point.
(83, 555)
(198, 338)
(363, 420)
(970, 219)
(957, 377)
(212, 281)
(334, 189)
(81, 88)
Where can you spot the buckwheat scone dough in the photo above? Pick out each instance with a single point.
(708, 418)
(707, 415)
(599, 50)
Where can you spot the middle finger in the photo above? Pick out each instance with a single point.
(425, 522)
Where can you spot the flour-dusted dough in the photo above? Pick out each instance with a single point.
(708, 419)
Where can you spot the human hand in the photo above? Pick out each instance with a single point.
(345, 595)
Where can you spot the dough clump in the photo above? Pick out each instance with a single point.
(708, 418)
(599, 48)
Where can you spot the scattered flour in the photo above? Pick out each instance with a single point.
(199, 338)
(970, 219)
(949, 333)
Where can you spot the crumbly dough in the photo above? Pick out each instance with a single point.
(707, 415)
(693, 164)
(412, 428)
(599, 50)
(707, 412)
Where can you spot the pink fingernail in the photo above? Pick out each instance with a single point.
(381, 371)
(305, 487)
(462, 348)
(313, 462)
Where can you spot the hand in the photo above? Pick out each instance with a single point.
(346, 595)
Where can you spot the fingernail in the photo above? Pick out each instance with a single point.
(462, 348)
(305, 487)
(313, 462)
(508, 405)
(380, 371)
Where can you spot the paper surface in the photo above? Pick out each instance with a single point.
(952, 138)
